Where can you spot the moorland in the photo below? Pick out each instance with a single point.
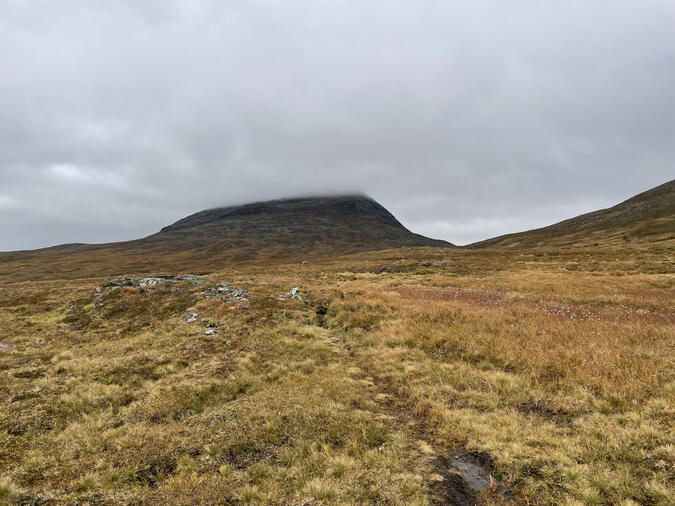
(495, 374)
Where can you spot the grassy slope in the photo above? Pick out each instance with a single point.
(552, 369)
(648, 217)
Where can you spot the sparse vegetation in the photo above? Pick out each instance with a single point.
(646, 218)
(552, 371)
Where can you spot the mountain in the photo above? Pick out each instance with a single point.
(648, 217)
(287, 229)
(335, 224)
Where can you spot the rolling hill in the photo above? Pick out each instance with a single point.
(648, 217)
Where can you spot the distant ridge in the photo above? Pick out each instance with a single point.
(648, 217)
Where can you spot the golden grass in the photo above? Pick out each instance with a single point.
(553, 371)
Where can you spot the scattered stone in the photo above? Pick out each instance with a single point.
(146, 283)
(381, 447)
(293, 293)
(226, 293)
(192, 317)
(150, 282)
(212, 326)
(121, 282)
(210, 332)
(203, 319)
(114, 284)
(194, 279)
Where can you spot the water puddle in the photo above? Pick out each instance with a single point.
(472, 473)
(464, 477)
(476, 472)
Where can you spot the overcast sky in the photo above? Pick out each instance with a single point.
(466, 119)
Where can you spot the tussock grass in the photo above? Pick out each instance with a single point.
(553, 370)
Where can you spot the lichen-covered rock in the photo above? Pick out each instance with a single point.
(226, 293)
(293, 293)
(194, 279)
(146, 283)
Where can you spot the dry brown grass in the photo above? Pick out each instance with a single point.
(553, 370)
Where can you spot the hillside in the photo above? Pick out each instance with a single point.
(648, 217)
(284, 230)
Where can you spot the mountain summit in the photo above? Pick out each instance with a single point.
(335, 224)
(351, 205)
(287, 229)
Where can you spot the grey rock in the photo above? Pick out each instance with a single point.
(194, 279)
(293, 293)
(192, 317)
(146, 283)
(226, 293)
(150, 282)
(210, 332)
(114, 284)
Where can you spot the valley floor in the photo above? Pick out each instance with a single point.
(413, 376)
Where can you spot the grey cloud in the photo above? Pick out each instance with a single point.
(466, 119)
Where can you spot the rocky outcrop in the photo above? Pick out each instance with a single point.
(147, 283)
(226, 293)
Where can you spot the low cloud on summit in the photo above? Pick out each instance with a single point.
(466, 119)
